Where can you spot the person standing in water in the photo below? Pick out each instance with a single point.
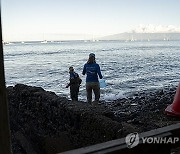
(74, 84)
(92, 71)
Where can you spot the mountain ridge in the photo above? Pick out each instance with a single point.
(142, 36)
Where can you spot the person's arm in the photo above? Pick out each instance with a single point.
(99, 72)
(72, 80)
(84, 70)
(67, 85)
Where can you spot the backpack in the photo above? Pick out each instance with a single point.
(77, 78)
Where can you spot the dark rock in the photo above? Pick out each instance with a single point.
(43, 117)
(46, 121)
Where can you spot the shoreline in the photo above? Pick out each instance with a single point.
(45, 121)
(146, 110)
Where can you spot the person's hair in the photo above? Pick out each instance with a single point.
(91, 60)
(71, 68)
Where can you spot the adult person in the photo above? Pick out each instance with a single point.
(92, 71)
(74, 84)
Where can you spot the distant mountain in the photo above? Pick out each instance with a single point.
(142, 36)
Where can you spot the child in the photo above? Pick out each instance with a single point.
(74, 84)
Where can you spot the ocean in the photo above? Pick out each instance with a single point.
(127, 67)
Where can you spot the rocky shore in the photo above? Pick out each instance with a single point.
(43, 123)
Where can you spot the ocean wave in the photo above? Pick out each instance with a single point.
(126, 67)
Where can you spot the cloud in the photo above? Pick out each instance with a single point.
(150, 28)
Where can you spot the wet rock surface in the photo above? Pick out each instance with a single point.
(145, 110)
(50, 124)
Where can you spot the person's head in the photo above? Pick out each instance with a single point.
(71, 69)
(91, 58)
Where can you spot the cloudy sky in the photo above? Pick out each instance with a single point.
(83, 19)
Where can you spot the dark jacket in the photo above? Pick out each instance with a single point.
(74, 79)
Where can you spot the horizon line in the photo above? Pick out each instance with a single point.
(84, 39)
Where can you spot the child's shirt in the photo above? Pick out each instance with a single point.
(74, 78)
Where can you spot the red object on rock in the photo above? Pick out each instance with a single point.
(174, 108)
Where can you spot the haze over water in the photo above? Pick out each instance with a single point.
(126, 66)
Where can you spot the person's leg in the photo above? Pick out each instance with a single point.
(96, 90)
(89, 92)
(76, 92)
(73, 92)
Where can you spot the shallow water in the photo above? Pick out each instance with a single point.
(126, 66)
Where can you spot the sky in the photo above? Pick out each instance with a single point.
(27, 20)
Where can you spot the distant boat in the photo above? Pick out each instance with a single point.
(45, 41)
(166, 39)
(132, 38)
(7, 43)
(94, 40)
